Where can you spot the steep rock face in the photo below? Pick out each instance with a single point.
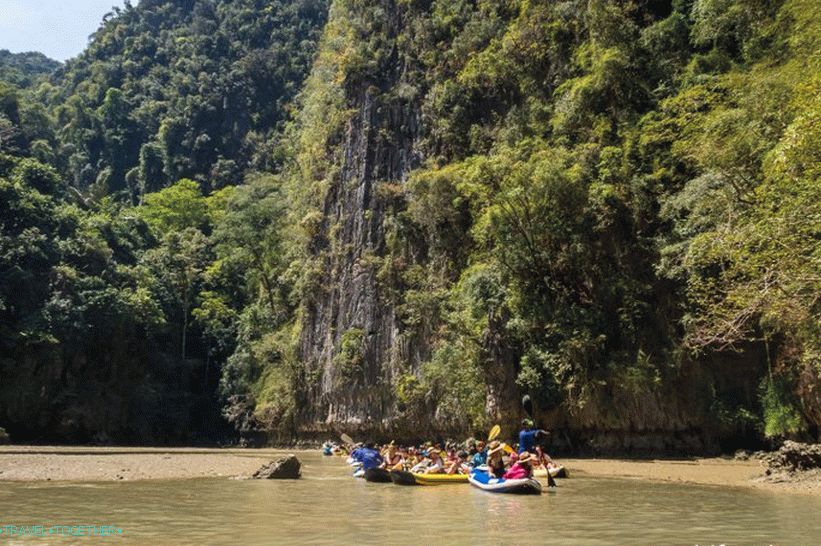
(403, 69)
(351, 340)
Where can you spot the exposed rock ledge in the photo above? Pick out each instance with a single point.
(287, 468)
(793, 457)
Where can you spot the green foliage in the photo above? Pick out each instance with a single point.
(599, 190)
(25, 69)
(183, 90)
(32, 173)
(349, 359)
(175, 208)
(541, 374)
(781, 417)
(597, 201)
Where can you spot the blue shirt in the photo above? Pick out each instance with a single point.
(479, 458)
(527, 440)
(370, 458)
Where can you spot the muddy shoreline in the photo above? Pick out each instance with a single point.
(95, 464)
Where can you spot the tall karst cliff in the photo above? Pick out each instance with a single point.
(351, 338)
(500, 198)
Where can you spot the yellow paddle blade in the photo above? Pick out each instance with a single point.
(507, 449)
(494, 432)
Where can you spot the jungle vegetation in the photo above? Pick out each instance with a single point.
(623, 193)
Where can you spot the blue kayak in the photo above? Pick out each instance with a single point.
(486, 482)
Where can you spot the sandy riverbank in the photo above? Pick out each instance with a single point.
(707, 471)
(35, 463)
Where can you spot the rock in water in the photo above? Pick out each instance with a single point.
(4, 437)
(287, 468)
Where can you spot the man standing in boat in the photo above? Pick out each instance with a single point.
(529, 440)
(370, 457)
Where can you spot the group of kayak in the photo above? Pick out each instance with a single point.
(491, 466)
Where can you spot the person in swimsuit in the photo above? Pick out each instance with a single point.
(495, 461)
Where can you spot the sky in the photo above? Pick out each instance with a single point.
(58, 28)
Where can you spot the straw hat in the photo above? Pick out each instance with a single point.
(494, 447)
(526, 457)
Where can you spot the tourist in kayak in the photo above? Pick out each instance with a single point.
(495, 460)
(356, 453)
(412, 458)
(451, 458)
(369, 457)
(522, 468)
(543, 459)
(393, 459)
(479, 458)
(435, 465)
(458, 465)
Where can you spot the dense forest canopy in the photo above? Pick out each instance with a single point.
(116, 319)
(400, 216)
(23, 69)
(168, 90)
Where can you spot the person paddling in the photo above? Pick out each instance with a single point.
(528, 436)
(529, 440)
(369, 457)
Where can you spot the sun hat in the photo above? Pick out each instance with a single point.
(526, 457)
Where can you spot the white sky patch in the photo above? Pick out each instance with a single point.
(58, 28)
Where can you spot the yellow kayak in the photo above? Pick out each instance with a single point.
(401, 477)
(436, 479)
(555, 471)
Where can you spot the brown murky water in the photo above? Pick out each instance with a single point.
(328, 506)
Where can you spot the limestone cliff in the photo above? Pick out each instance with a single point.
(350, 319)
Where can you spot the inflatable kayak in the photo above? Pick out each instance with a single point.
(436, 479)
(484, 481)
(401, 477)
(377, 475)
(555, 472)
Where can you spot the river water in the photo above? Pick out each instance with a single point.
(328, 506)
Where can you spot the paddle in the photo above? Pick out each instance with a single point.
(347, 439)
(527, 404)
(494, 432)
